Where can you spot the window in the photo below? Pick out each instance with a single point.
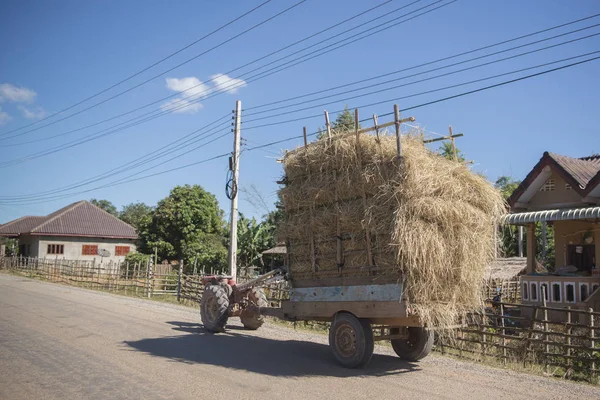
(525, 291)
(56, 249)
(548, 186)
(583, 291)
(556, 292)
(570, 292)
(89, 250)
(121, 250)
(568, 187)
(534, 291)
(544, 295)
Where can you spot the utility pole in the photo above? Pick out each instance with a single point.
(235, 167)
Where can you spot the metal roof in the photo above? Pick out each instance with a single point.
(551, 215)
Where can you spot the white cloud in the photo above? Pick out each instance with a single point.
(4, 117)
(181, 106)
(193, 89)
(16, 94)
(33, 113)
(227, 84)
(191, 85)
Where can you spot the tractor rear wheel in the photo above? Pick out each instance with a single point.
(417, 346)
(214, 308)
(250, 316)
(351, 340)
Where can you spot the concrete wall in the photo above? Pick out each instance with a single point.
(560, 195)
(570, 232)
(32, 242)
(73, 247)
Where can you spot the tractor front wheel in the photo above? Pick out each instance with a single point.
(214, 308)
(250, 316)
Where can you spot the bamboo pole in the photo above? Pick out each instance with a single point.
(592, 341)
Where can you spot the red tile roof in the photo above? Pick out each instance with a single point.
(77, 219)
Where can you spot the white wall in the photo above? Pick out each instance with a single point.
(73, 247)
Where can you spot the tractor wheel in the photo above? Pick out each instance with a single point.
(417, 346)
(351, 340)
(251, 318)
(214, 308)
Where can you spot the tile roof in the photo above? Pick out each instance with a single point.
(582, 170)
(78, 219)
(23, 224)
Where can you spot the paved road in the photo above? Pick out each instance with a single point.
(59, 342)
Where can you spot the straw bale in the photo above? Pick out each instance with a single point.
(430, 219)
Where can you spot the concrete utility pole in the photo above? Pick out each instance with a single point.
(232, 256)
(520, 240)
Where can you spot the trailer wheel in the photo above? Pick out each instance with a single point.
(214, 308)
(417, 346)
(250, 316)
(351, 340)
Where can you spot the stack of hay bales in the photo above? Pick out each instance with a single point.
(427, 220)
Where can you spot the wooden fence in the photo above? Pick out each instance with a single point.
(523, 334)
(137, 279)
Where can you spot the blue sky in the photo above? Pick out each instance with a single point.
(54, 54)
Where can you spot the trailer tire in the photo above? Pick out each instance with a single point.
(250, 317)
(417, 346)
(351, 340)
(214, 308)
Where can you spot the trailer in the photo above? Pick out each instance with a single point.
(361, 311)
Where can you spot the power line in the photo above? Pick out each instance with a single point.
(448, 87)
(435, 69)
(170, 69)
(232, 86)
(72, 144)
(382, 115)
(126, 179)
(405, 84)
(129, 165)
(435, 61)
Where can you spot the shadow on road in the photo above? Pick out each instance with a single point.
(237, 350)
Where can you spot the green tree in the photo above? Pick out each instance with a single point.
(253, 239)
(187, 224)
(344, 122)
(106, 206)
(448, 152)
(136, 214)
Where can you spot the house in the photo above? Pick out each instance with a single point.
(79, 231)
(563, 192)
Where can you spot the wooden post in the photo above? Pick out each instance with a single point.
(530, 248)
(530, 334)
(453, 145)
(339, 251)
(592, 341)
(327, 124)
(376, 126)
(305, 138)
(179, 274)
(398, 139)
(546, 346)
(503, 332)
(363, 192)
(568, 338)
(311, 235)
(149, 277)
